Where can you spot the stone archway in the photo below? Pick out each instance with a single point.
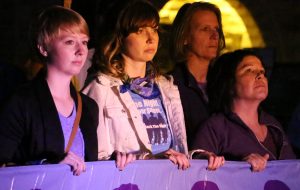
(240, 29)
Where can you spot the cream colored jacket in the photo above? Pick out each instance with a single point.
(121, 126)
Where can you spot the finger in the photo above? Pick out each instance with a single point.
(210, 162)
(254, 167)
(81, 166)
(179, 162)
(173, 159)
(74, 167)
(84, 167)
(129, 158)
(222, 161)
(216, 163)
(186, 162)
(78, 167)
(118, 159)
(266, 156)
(134, 158)
(123, 160)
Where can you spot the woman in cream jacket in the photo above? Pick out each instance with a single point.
(140, 112)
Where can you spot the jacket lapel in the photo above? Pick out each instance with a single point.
(54, 139)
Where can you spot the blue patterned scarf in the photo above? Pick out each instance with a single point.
(145, 87)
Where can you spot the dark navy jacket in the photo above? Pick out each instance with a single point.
(30, 128)
(195, 107)
(227, 135)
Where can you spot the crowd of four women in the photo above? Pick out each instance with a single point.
(133, 110)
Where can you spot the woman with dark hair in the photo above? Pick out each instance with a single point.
(140, 110)
(196, 40)
(240, 129)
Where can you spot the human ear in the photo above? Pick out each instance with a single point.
(42, 50)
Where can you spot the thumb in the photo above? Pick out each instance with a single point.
(266, 156)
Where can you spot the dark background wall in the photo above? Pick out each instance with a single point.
(278, 21)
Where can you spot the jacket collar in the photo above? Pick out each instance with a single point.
(182, 76)
(263, 118)
(108, 80)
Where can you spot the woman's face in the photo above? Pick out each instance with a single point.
(67, 53)
(203, 37)
(141, 46)
(251, 83)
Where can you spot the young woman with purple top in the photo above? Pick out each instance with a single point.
(37, 122)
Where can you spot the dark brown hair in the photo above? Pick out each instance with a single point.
(131, 16)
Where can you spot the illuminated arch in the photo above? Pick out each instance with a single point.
(239, 27)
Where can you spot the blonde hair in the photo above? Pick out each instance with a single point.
(181, 27)
(51, 21)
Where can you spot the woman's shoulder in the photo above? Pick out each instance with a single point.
(25, 92)
(90, 103)
(104, 80)
(165, 81)
(216, 120)
(24, 98)
(268, 119)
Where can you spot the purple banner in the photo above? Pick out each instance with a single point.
(153, 175)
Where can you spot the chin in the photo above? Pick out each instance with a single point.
(262, 96)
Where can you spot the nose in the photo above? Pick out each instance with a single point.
(259, 75)
(80, 48)
(214, 34)
(150, 36)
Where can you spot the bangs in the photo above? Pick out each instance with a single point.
(62, 19)
(75, 28)
(139, 16)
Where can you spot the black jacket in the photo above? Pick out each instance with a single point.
(30, 128)
(195, 107)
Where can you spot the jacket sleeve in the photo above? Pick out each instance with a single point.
(89, 123)
(97, 92)
(207, 138)
(12, 128)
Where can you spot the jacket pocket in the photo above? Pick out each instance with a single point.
(122, 135)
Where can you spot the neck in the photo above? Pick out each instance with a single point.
(248, 112)
(134, 69)
(59, 85)
(198, 68)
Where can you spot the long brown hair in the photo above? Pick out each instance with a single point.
(131, 16)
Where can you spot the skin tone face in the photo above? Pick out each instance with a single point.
(203, 36)
(140, 46)
(67, 53)
(251, 83)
